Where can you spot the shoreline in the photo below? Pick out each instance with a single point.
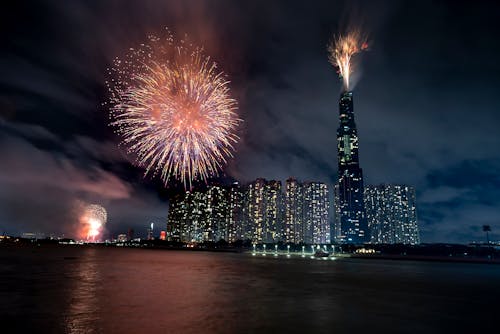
(427, 258)
(270, 254)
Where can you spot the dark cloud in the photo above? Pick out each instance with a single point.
(425, 103)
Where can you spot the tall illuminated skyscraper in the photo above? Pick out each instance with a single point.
(350, 219)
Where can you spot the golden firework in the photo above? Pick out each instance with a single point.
(173, 110)
(342, 49)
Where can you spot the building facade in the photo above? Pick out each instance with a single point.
(316, 224)
(217, 206)
(294, 205)
(273, 230)
(192, 217)
(392, 214)
(263, 221)
(307, 208)
(256, 203)
(236, 213)
(350, 218)
(260, 212)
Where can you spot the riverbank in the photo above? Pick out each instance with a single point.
(433, 252)
(428, 258)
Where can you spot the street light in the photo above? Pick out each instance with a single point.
(487, 228)
(276, 250)
(288, 250)
(303, 249)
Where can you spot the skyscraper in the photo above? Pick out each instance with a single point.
(216, 211)
(176, 209)
(236, 212)
(350, 219)
(306, 212)
(187, 217)
(293, 211)
(198, 216)
(263, 219)
(392, 214)
(273, 198)
(316, 224)
(195, 221)
(256, 210)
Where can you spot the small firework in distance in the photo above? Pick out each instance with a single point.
(173, 110)
(341, 49)
(93, 221)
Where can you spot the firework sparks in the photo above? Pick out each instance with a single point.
(173, 110)
(342, 49)
(93, 221)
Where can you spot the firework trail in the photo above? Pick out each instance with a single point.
(173, 110)
(342, 49)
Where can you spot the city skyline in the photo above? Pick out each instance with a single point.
(425, 100)
(265, 212)
(236, 166)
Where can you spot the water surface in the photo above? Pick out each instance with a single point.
(113, 290)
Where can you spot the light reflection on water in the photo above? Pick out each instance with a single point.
(83, 313)
(109, 290)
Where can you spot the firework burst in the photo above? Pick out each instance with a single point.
(92, 221)
(342, 49)
(173, 110)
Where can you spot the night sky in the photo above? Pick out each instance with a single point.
(426, 104)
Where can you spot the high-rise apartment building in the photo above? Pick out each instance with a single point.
(392, 214)
(316, 224)
(256, 214)
(294, 199)
(236, 213)
(259, 212)
(187, 218)
(306, 212)
(216, 213)
(264, 211)
(198, 216)
(274, 218)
